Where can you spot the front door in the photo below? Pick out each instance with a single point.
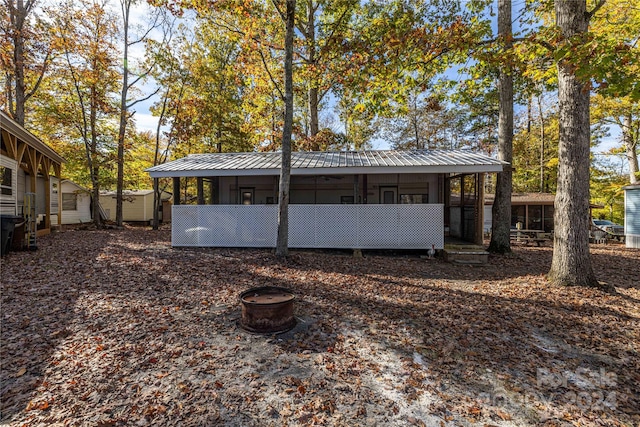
(388, 195)
(247, 196)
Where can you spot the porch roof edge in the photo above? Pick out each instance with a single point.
(329, 163)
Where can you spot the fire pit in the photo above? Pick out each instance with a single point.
(267, 309)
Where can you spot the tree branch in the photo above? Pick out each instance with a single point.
(273, 81)
(143, 99)
(596, 9)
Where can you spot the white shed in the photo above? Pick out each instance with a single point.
(137, 205)
(75, 200)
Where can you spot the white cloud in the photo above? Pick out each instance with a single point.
(146, 122)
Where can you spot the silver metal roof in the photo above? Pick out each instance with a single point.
(330, 162)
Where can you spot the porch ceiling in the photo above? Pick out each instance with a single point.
(327, 163)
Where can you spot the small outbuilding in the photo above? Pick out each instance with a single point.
(632, 215)
(75, 202)
(377, 199)
(137, 205)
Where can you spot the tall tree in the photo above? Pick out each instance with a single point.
(282, 244)
(125, 103)
(501, 212)
(571, 262)
(623, 112)
(323, 26)
(86, 33)
(24, 66)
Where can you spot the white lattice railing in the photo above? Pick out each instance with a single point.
(310, 226)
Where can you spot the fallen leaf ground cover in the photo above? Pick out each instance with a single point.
(116, 328)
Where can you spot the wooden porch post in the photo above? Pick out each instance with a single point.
(200, 189)
(176, 190)
(47, 201)
(364, 189)
(356, 181)
(479, 236)
(214, 189)
(58, 169)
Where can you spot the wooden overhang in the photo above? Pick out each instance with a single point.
(33, 156)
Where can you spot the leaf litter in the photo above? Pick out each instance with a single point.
(117, 328)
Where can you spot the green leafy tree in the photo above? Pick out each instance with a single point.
(85, 84)
(26, 51)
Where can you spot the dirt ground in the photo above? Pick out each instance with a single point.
(116, 328)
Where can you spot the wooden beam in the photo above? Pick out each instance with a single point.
(479, 208)
(20, 149)
(47, 201)
(176, 191)
(58, 170)
(11, 143)
(40, 162)
(200, 190)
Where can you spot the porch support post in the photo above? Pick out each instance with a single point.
(176, 190)
(356, 181)
(58, 170)
(364, 189)
(47, 201)
(200, 190)
(479, 236)
(215, 190)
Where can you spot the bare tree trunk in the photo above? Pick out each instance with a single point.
(313, 93)
(18, 12)
(571, 262)
(125, 4)
(282, 245)
(630, 145)
(501, 212)
(542, 137)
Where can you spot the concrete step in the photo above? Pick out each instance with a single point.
(466, 255)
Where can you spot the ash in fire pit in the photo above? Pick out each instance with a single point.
(268, 309)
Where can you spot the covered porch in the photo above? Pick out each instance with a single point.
(353, 200)
(26, 168)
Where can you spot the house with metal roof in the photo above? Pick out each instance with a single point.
(377, 199)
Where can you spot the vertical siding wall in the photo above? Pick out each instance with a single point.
(632, 217)
(9, 202)
(310, 226)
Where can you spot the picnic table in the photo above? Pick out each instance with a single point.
(530, 236)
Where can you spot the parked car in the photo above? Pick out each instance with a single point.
(611, 228)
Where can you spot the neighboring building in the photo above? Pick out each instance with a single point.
(26, 168)
(75, 202)
(137, 205)
(632, 215)
(353, 199)
(533, 210)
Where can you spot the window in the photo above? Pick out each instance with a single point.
(69, 202)
(6, 175)
(414, 199)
